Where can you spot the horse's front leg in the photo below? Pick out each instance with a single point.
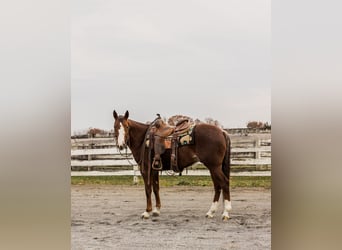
(155, 182)
(148, 192)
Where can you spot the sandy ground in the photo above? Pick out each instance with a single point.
(191, 172)
(108, 217)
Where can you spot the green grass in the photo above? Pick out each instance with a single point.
(170, 181)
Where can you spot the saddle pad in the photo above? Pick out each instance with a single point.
(187, 138)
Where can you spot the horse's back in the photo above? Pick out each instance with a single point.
(206, 133)
(210, 144)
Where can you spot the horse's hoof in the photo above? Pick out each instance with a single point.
(209, 215)
(155, 212)
(145, 215)
(225, 218)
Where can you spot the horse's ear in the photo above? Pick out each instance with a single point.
(126, 115)
(115, 115)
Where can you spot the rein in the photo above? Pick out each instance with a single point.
(125, 155)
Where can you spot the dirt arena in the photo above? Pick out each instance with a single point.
(108, 217)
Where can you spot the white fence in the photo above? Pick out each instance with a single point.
(252, 151)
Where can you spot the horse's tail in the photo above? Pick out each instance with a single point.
(226, 159)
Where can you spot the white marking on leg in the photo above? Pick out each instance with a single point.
(145, 215)
(212, 209)
(227, 207)
(156, 211)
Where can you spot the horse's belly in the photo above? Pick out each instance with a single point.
(187, 156)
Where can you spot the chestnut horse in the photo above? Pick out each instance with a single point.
(212, 148)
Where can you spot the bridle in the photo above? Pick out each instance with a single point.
(127, 143)
(127, 138)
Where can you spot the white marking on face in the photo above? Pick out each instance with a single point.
(121, 137)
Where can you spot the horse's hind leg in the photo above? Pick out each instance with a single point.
(226, 197)
(155, 183)
(218, 177)
(214, 205)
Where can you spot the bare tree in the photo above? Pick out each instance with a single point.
(255, 124)
(197, 121)
(211, 121)
(267, 125)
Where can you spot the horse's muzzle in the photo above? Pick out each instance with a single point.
(122, 147)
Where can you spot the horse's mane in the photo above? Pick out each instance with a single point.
(139, 123)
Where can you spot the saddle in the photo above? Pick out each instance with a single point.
(165, 130)
(171, 135)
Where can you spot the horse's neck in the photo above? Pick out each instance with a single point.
(137, 135)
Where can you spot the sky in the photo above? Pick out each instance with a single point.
(199, 58)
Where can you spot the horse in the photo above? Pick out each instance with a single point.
(212, 148)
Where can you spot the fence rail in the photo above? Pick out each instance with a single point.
(248, 151)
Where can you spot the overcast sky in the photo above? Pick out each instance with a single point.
(198, 58)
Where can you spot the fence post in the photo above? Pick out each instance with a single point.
(257, 146)
(91, 145)
(258, 153)
(135, 176)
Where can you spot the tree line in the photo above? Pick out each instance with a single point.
(176, 118)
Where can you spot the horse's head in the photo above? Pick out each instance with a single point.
(121, 130)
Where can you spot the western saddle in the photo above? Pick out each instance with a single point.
(170, 135)
(165, 130)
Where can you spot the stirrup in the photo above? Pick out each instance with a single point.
(157, 168)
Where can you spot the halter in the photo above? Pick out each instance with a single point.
(127, 142)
